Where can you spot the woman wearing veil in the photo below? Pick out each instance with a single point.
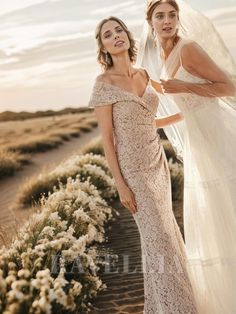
(194, 75)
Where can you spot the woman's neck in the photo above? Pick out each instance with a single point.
(167, 46)
(122, 66)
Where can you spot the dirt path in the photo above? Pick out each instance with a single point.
(11, 218)
(125, 291)
(124, 277)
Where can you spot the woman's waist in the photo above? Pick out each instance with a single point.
(134, 125)
(139, 166)
(136, 134)
(139, 156)
(137, 141)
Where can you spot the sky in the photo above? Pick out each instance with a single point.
(48, 51)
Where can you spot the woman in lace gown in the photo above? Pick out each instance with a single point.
(125, 105)
(195, 83)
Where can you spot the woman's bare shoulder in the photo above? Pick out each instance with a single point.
(192, 54)
(103, 77)
(143, 72)
(191, 49)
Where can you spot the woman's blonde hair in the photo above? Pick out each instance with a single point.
(105, 59)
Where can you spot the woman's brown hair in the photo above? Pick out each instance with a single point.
(154, 3)
(151, 7)
(105, 59)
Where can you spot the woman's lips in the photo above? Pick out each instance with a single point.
(119, 43)
(167, 29)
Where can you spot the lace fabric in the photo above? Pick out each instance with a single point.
(144, 167)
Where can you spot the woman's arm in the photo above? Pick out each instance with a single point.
(163, 122)
(104, 117)
(157, 86)
(196, 61)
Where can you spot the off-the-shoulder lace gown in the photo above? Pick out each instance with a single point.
(144, 167)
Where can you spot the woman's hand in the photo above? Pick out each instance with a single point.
(127, 197)
(157, 86)
(174, 86)
(163, 122)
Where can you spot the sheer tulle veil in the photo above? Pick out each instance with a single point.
(194, 26)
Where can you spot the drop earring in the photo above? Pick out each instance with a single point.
(176, 37)
(154, 37)
(153, 33)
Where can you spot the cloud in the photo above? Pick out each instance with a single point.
(222, 15)
(8, 61)
(48, 46)
(20, 38)
(7, 7)
(111, 8)
(34, 75)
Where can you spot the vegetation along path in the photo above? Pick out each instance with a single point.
(11, 217)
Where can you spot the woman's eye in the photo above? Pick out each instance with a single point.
(107, 36)
(173, 15)
(120, 30)
(159, 17)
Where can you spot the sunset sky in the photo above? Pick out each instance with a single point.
(47, 50)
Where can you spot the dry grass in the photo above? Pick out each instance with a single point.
(33, 189)
(20, 138)
(9, 163)
(94, 146)
(36, 144)
(24, 115)
(84, 126)
(23, 130)
(37, 186)
(92, 121)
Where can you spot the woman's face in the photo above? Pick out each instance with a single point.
(164, 20)
(114, 38)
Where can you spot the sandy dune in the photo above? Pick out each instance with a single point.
(12, 218)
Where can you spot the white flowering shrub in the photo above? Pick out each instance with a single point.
(90, 166)
(52, 266)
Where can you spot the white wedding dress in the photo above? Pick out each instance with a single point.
(209, 195)
(206, 142)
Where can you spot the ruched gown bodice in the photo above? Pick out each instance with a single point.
(144, 166)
